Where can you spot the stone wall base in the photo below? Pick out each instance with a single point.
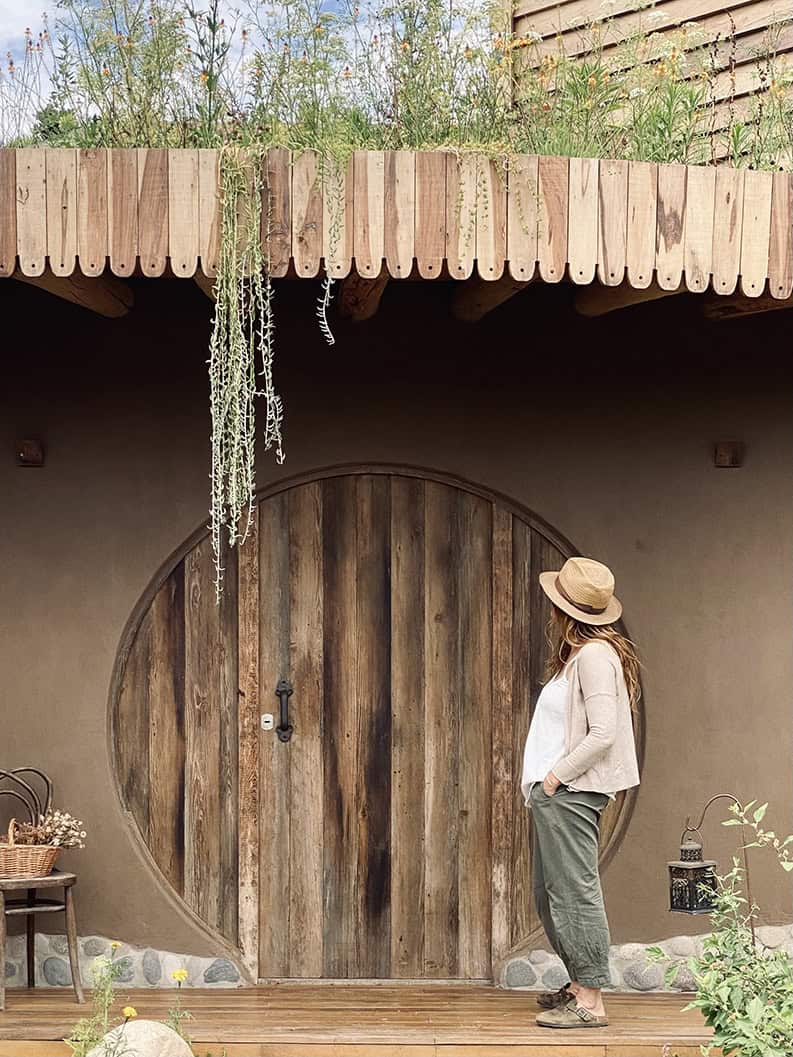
(139, 966)
(631, 970)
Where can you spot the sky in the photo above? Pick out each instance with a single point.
(15, 15)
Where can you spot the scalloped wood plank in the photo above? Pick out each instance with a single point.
(522, 216)
(642, 212)
(400, 211)
(700, 203)
(460, 214)
(122, 210)
(369, 219)
(31, 210)
(61, 170)
(209, 218)
(670, 226)
(552, 183)
(8, 211)
(755, 231)
(582, 220)
(430, 226)
(780, 250)
(153, 194)
(306, 214)
(491, 218)
(183, 212)
(92, 213)
(277, 211)
(727, 233)
(612, 221)
(337, 218)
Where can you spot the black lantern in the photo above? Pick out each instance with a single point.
(692, 878)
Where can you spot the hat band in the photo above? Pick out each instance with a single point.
(594, 610)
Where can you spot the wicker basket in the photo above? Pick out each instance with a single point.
(25, 860)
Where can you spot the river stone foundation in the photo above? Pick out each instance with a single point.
(631, 968)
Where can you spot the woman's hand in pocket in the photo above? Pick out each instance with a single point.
(550, 784)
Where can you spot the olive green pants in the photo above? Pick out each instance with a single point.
(566, 882)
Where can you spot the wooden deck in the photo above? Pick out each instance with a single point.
(303, 1020)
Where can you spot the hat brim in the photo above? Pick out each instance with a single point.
(610, 614)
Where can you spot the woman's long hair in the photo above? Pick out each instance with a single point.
(565, 634)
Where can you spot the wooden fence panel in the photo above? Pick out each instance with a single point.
(582, 221)
(613, 222)
(460, 214)
(209, 219)
(522, 216)
(153, 211)
(337, 218)
(491, 218)
(92, 215)
(61, 172)
(700, 202)
(183, 212)
(400, 212)
(277, 212)
(430, 226)
(307, 214)
(670, 226)
(552, 185)
(369, 217)
(31, 210)
(122, 210)
(756, 231)
(780, 251)
(642, 212)
(727, 233)
(8, 211)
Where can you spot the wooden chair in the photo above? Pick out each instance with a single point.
(31, 905)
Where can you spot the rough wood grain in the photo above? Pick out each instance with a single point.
(522, 216)
(461, 199)
(132, 728)
(277, 211)
(642, 205)
(502, 807)
(491, 217)
(337, 217)
(780, 250)
(612, 221)
(104, 294)
(31, 209)
(369, 218)
(306, 824)
(400, 211)
(8, 211)
(670, 226)
(209, 220)
(228, 750)
(166, 729)
(153, 195)
(342, 749)
(122, 210)
(582, 237)
(442, 719)
(359, 298)
(92, 211)
(700, 201)
(249, 734)
(307, 213)
(430, 225)
(474, 867)
(183, 212)
(407, 726)
(275, 799)
(727, 233)
(552, 183)
(523, 648)
(755, 231)
(61, 183)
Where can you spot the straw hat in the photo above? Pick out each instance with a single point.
(584, 589)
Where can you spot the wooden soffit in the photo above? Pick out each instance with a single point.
(148, 211)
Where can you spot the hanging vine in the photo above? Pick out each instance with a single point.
(241, 352)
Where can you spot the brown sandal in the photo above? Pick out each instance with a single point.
(571, 1016)
(555, 999)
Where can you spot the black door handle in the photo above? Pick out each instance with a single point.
(283, 692)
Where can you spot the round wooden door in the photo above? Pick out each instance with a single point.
(387, 838)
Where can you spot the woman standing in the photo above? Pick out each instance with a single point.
(580, 751)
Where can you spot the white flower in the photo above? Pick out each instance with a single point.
(635, 93)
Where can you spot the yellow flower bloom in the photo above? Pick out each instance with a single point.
(115, 945)
(180, 975)
(128, 1012)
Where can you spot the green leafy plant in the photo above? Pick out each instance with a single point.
(90, 1030)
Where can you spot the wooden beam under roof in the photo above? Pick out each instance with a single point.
(596, 300)
(737, 306)
(476, 297)
(359, 297)
(103, 294)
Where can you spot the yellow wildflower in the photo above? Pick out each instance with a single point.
(115, 945)
(592, 81)
(128, 1012)
(179, 975)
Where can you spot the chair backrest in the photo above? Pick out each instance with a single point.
(23, 790)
